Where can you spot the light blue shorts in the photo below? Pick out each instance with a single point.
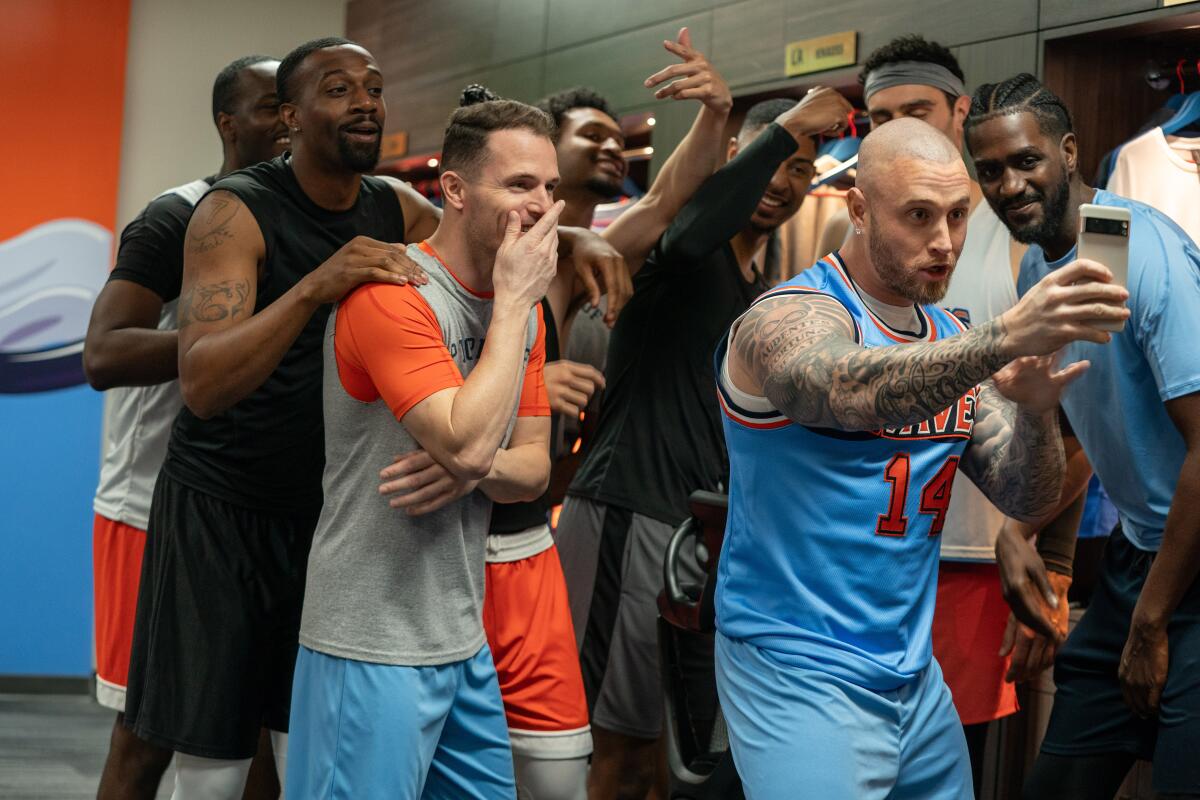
(364, 731)
(799, 733)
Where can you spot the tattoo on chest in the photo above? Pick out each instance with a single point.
(213, 302)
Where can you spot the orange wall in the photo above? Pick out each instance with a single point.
(63, 63)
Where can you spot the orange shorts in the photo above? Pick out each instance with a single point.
(528, 626)
(968, 627)
(117, 568)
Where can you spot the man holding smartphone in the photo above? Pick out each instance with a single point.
(1127, 682)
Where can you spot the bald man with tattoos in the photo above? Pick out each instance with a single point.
(851, 401)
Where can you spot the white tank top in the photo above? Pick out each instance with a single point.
(982, 288)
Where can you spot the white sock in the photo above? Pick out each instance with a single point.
(209, 778)
(279, 741)
(551, 779)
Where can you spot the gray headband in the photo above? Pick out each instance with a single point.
(903, 73)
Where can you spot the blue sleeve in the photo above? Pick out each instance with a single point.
(1165, 305)
(1025, 277)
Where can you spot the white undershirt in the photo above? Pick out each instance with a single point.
(901, 318)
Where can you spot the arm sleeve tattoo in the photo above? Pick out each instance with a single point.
(1015, 456)
(802, 351)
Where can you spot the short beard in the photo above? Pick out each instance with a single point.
(899, 279)
(604, 187)
(358, 157)
(1054, 212)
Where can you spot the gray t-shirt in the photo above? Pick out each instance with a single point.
(383, 586)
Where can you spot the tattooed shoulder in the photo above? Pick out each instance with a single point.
(212, 225)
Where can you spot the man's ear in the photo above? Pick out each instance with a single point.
(290, 116)
(856, 206)
(1070, 150)
(227, 128)
(453, 189)
(731, 149)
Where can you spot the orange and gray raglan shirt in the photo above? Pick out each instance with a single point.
(385, 587)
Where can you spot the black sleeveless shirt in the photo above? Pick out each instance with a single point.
(267, 452)
(517, 517)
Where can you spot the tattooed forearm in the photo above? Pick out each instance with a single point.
(1015, 456)
(213, 229)
(213, 302)
(802, 352)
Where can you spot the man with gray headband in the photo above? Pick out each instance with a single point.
(911, 77)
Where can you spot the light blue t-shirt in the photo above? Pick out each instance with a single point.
(1116, 408)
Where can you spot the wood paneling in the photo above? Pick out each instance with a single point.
(1067, 12)
(427, 42)
(1105, 91)
(998, 59)
(950, 22)
(748, 41)
(617, 65)
(577, 21)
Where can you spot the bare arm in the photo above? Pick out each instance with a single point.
(697, 156)
(421, 217)
(124, 346)
(226, 351)
(521, 471)
(800, 353)
(1145, 660)
(1015, 456)
(418, 484)
(459, 427)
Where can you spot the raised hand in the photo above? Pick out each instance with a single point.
(1063, 307)
(361, 260)
(602, 270)
(1035, 383)
(821, 111)
(694, 79)
(526, 262)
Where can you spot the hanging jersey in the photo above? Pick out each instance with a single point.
(1162, 173)
(831, 549)
(982, 289)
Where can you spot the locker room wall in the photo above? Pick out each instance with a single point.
(525, 48)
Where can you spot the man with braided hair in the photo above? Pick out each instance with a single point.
(1127, 679)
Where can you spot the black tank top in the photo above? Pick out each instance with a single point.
(517, 517)
(267, 452)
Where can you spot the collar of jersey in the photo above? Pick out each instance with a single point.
(928, 330)
(428, 250)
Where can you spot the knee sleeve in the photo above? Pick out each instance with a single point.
(209, 778)
(279, 741)
(551, 779)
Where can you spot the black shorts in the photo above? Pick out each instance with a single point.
(1090, 717)
(218, 621)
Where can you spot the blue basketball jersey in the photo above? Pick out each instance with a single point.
(831, 549)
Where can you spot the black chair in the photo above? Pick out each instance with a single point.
(700, 765)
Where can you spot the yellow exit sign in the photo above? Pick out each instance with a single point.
(822, 53)
(393, 145)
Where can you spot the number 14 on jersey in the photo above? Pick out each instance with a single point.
(935, 496)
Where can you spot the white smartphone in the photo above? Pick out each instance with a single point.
(1104, 237)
